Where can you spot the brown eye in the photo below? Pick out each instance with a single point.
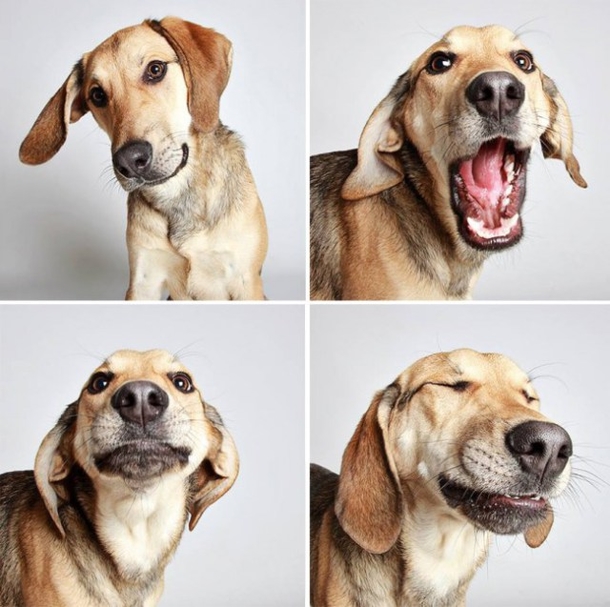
(524, 61)
(98, 97)
(155, 71)
(440, 62)
(182, 382)
(99, 382)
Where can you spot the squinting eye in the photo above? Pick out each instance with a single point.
(182, 382)
(155, 71)
(440, 62)
(98, 97)
(524, 61)
(99, 382)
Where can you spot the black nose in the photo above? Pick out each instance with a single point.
(133, 159)
(496, 94)
(140, 402)
(541, 448)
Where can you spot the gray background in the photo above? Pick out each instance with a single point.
(360, 47)
(358, 349)
(63, 223)
(248, 548)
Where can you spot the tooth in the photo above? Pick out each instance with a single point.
(509, 190)
(505, 202)
(475, 224)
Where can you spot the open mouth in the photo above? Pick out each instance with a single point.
(500, 513)
(487, 193)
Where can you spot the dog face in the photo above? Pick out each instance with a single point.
(463, 432)
(150, 87)
(473, 105)
(139, 419)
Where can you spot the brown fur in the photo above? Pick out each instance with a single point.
(382, 531)
(67, 528)
(197, 230)
(382, 224)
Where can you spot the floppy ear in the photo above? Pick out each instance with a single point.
(557, 139)
(216, 474)
(51, 128)
(53, 462)
(378, 166)
(369, 503)
(205, 57)
(535, 536)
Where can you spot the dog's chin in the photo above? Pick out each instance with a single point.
(143, 459)
(500, 513)
(153, 177)
(487, 194)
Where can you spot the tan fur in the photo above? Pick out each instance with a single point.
(201, 233)
(382, 532)
(77, 533)
(382, 224)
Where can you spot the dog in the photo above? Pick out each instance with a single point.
(102, 513)
(196, 227)
(438, 180)
(452, 451)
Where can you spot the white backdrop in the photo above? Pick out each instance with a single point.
(63, 223)
(359, 349)
(359, 48)
(248, 548)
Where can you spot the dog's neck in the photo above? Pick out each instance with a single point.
(430, 206)
(140, 528)
(440, 554)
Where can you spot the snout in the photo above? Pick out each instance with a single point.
(137, 163)
(140, 402)
(496, 95)
(541, 448)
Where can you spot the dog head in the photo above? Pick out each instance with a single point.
(463, 432)
(149, 87)
(140, 418)
(472, 106)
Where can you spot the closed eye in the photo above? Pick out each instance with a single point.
(528, 397)
(459, 386)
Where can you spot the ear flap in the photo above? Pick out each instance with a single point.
(51, 128)
(535, 536)
(369, 501)
(378, 167)
(557, 139)
(53, 463)
(205, 57)
(216, 474)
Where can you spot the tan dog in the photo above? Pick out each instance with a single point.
(102, 514)
(451, 452)
(438, 180)
(196, 228)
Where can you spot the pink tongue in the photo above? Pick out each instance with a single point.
(483, 179)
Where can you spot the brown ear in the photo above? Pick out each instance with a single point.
(557, 139)
(53, 462)
(369, 502)
(51, 128)
(535, 536)
(205, 57)
(378, 166)
(216, 474)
